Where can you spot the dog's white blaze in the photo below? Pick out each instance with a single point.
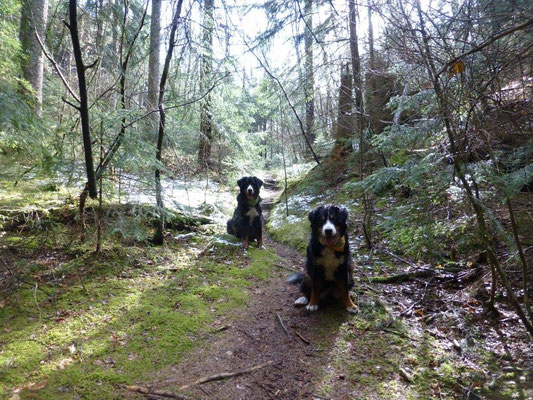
(328, 225)
(250, 187)
(329, 262)
(252, 213)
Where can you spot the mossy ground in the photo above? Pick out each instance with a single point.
(85, 322)
(371, 348)
(122, 314)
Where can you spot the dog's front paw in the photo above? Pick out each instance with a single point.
(311, 307)
(352, 310)
(301, 301)
(261, 246)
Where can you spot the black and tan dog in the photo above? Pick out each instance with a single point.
(246, 222)
(328, 269)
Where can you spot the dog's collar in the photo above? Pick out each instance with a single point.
(252, 202)
(339, 246)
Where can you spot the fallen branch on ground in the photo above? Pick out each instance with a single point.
(226, 375)
(405, 375)
(303, 339)
(400, 278)
(417, 303)
(154, 392)
(404, 260)
(282, 324)
(284, 267)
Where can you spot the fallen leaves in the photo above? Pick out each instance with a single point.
(64, 362)
(31, 386)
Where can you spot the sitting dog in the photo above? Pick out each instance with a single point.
(328, 271)
(246, 223)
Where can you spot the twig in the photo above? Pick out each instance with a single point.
(284, 267)
(246, 333)
(222, 328)
(282, 324)
(390, 253)
(36, 302)
(226, 375)
(56, 67)
(405, 375)
(407, 276)
(487, 42)
(155, 392)
(303, 339)
(416, 303)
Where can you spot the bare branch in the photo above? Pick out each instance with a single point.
(487, 42)
(56, 67)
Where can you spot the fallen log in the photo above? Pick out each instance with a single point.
(400, 278)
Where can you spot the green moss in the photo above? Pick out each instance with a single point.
(293, 230)
(138, 310)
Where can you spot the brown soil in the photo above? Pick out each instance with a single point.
(255, 337)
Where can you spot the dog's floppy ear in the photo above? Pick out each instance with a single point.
(259, 182)
(343, 213)
(240, 182)
(311, 216)
(313, 213)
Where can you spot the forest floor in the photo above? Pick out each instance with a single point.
(162, 318)
(331, 354)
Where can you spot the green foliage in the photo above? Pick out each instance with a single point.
(20, 130)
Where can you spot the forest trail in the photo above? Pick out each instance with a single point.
(255, 336)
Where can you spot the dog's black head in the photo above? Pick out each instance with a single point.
(329, 224)
(250, 186)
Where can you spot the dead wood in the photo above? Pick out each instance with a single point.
(282, 324)
(155, 392)
(303, 339)
(226, 375)
(400, 278)
(405, 375)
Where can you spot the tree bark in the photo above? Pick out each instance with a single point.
(485, 235)
(154, 62)
(343, 131)
(158, 236)
(309, 73)
(84, 106)
(357, 81)
(33, 18)
(206, 122)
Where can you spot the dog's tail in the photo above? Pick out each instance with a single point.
(296, 277)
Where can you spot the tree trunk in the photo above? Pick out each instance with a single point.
(343, 131)
(158, 236)
(485, 235)
(154, 59)
(357, 81)
(309, 77)
(206, 126)
(84, 106)
(34, 14)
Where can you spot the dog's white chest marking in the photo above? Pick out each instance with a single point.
(329, 262)
(252, 213)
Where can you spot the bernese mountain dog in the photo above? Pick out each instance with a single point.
(328, 269)
(246, 222)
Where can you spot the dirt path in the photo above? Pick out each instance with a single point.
(256, 337)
